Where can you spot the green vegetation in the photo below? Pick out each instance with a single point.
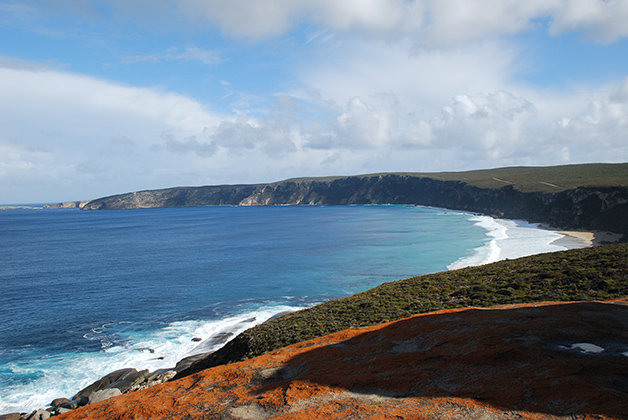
(542, 179)
(598, 273)
(529, 178)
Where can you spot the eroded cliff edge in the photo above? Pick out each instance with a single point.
(602, 208)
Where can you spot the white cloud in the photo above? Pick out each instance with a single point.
(68, 131)
(435, 23)
(432, 23)
(603, 20)
(423, 81)
(263, 18)
(600, 130)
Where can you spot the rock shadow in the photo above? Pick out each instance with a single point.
(526, 358)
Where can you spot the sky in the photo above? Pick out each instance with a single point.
(100, 97)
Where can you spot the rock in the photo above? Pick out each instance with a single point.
(71, 404)
(122, 379)
(60, 401)
(39, 415)
(62, 410)
(189, 361)
(129, 380)
(10, 416)
(209, 345)
(158, 375)
(104, 394)
(156, 378)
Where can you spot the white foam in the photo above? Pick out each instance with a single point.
(585, 348)
(509, 239)
(66, 374)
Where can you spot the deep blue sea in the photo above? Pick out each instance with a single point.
(83, 293)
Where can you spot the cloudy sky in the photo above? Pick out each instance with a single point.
(99, 97)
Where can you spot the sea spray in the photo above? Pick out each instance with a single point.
(63, 375)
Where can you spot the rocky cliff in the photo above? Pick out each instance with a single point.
(588, 207)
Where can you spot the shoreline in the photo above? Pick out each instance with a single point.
(499, 240)
(592, 238)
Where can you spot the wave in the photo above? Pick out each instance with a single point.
(510, 239)
(34, 384)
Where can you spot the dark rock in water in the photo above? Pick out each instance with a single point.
(212, 342)
(121, 379)
(197, 339)
(129, 380)
(10, 416)
(39, 415)
(104, 394)
(189, 361)
(60, 401)
(71, 405)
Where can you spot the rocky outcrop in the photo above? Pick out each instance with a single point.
(536, 361)
(111, 385)
(67, 205)
(586, 208)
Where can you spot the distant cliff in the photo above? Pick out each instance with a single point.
(588, 207)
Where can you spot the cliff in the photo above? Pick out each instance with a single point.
(542, 361)
(601, 203)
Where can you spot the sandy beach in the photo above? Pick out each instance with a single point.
(593, 238)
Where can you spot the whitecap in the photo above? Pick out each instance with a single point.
(509, 239)
(65, 374)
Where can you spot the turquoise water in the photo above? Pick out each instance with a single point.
(84, 293)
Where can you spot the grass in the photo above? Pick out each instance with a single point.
(530, 179)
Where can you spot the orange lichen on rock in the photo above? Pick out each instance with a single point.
(526, 361)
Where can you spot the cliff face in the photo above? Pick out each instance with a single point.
(542, 361)
(589, 208)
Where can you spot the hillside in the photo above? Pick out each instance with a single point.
(597, 273)
(542, 179)
(541, 362)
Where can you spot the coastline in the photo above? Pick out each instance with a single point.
(511, 239)
(592, 238)
(503, 238)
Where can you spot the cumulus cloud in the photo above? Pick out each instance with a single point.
(600, 129)
(55, 123)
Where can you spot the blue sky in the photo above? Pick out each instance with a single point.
(109, 96)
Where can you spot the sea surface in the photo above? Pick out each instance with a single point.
(83, 293)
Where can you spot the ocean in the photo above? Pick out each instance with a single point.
(83, 293)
